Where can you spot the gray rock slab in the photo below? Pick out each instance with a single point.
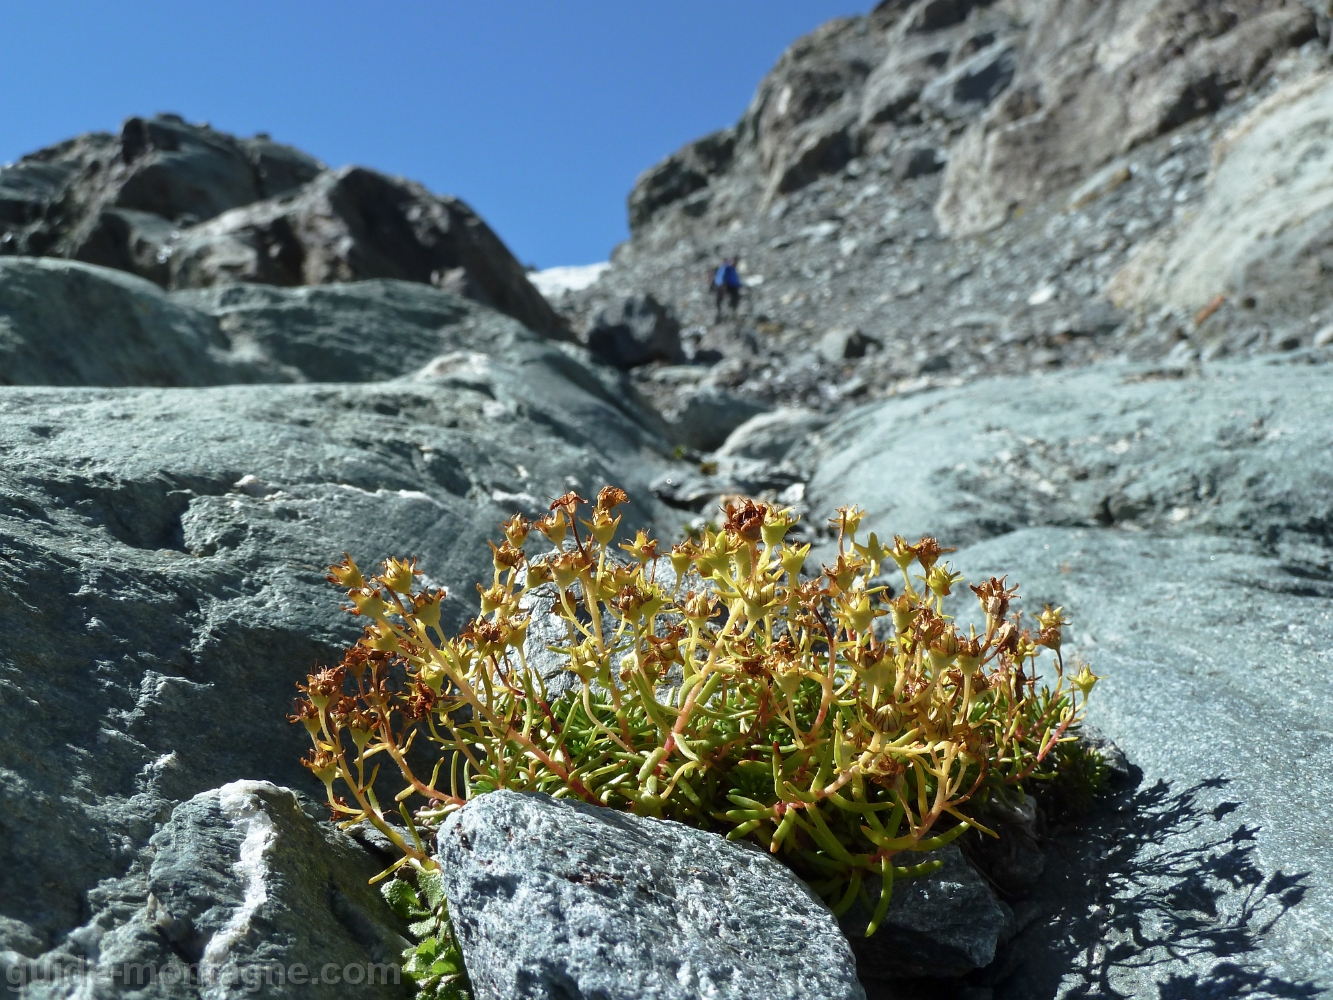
(66, 323)
(363, 331)
(1180, 517)
(702, 417)
(1213, 877)
(1234, 448)
(557, 899)
(162, 554)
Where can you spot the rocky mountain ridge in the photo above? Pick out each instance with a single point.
(189, 207)
(940, 191)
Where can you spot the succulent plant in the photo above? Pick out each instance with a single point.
(718, 684)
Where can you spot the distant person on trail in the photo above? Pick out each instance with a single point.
(727, 286)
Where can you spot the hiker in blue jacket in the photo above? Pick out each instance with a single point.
(727, 286)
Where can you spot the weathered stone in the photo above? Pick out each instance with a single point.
(845, 344)
(1209, 647)
(1206, 616)
(703, 416)
(65, 323)
(1098, 79)
(1227, 450)
(639, 331)
(185, 206)
(86, 198)
(161, 555)
(942, 925)
(772, 435)
(553, 898)
(1270, 176)
(246, 893)
(680, 175)
(917, 161)
(969, 87)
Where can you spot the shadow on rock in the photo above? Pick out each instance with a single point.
(1158, 896)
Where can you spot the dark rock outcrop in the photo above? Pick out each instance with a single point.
(185, 206)
(640, 331)
(938, 927)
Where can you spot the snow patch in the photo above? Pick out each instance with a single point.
(555, 281)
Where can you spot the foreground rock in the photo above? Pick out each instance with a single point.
(185, 206)
(551, 898)
(162, 554)
(1182, 523)
(244, 893)
(941, 926)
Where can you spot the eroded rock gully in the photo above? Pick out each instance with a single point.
(1047, 281)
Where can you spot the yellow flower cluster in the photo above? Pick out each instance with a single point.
(717, 686)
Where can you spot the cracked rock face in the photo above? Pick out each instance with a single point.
(551, 898)
(242, 891)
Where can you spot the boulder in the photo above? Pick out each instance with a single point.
(554, 898)
(772, 435)
(701, 417)
(939, 926)
(362, 331)
(1206, 644)
(845, 344)
(1098, 79)
(640, 330)
(243, 892)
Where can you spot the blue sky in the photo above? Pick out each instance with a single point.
(538, 114)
